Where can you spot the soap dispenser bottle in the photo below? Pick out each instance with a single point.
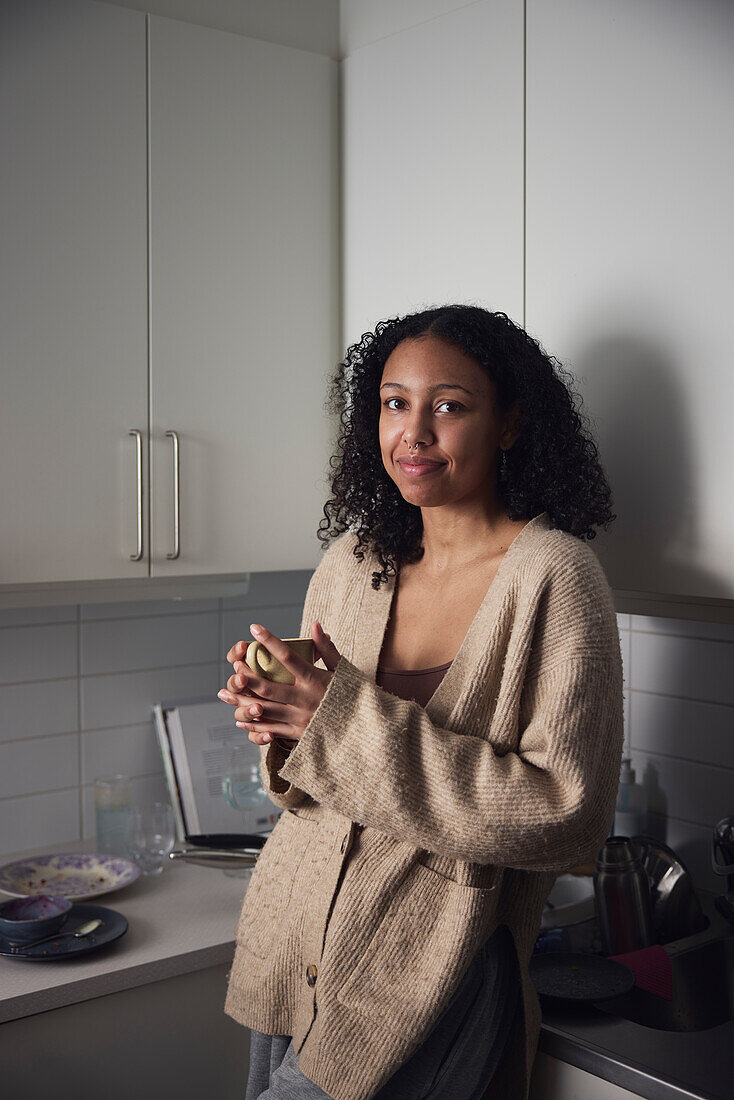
(630, 812)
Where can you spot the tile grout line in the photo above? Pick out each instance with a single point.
(683, 637)
(683, 759)
(677, 698)
(56, 790)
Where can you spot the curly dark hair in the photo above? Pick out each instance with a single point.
(552, 467)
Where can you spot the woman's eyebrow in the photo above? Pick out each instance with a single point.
(431, 389)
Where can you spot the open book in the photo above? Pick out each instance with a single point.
(196, 737)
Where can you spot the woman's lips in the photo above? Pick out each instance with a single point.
(419, 469)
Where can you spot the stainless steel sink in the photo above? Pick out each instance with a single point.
(703, 981)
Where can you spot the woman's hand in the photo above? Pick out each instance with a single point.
(268, 709)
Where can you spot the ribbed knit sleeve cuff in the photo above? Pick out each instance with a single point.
(321, 762)
(283, 794)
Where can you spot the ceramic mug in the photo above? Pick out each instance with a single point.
(262, 662)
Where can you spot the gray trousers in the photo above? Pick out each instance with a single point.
(456, 1061)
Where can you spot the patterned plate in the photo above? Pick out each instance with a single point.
(75, 875)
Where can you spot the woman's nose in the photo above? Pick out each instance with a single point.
(418, 429)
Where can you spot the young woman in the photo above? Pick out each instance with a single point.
(458, 743)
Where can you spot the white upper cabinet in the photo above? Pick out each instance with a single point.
(169, 269)
(629, 273)
(244, 292)
(433, 163)
(73, 310)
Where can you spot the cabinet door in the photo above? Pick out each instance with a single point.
(433, 165)
(244, 219)
(73, 312)
(629, 243)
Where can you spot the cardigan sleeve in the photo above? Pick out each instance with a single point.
(547, 806)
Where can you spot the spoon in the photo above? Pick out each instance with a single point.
(82, 930)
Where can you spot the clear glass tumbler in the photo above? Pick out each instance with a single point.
(113, 803)
(241, 784)
(150, 836)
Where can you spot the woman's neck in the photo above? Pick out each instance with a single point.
(456, 548)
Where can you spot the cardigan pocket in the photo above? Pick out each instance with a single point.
(268, 894)
(419, 950)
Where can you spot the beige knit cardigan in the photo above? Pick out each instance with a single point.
(410, 833)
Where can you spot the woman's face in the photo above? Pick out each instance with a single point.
(434, 394)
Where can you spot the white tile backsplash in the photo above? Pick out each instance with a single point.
(32, 616)
(722, 632)
(683, 666)
(77, 686)
(35, 709)
(39, 820)
(680, 788)
(678, 697)
(38, 653)
(124, 750)
(126, 698)
(121, 645)
(38, 764)
(699, 732)
(273, 590)
(145, 609)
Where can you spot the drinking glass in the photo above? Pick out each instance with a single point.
(150, 836)
(241, 785)
(113, 803)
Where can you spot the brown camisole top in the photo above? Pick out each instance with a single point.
(418, 684)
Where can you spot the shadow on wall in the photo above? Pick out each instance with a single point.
(645, 437)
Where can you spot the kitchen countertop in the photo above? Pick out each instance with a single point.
(184, 920)
(180, 921)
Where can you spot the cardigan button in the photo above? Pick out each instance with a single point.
(344, 843)
(311, 975)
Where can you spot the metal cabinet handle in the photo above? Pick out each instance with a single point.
(139, 450)
(176, 499)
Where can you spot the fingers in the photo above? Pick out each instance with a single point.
(237, 652)
(282, 652)
(326, 649)
(256, 737)
(267, 725)
(237, 682)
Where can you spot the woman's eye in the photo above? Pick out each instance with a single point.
(455, 404)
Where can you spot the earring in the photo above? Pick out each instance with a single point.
(503, 466)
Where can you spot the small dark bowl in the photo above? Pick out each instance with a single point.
(31, 918)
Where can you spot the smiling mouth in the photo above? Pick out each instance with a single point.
(419, 462)
(416, 469)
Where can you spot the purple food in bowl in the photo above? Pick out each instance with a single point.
(32, 917)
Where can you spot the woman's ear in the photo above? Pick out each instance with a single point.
(511, 427)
